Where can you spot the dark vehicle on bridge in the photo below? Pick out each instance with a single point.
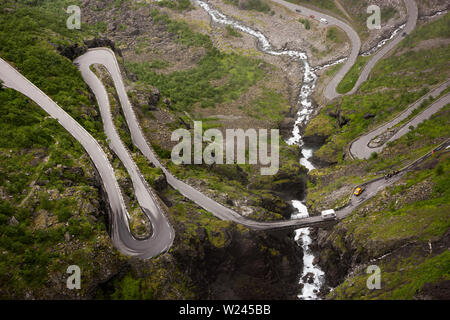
(298, 10)
(391, 174)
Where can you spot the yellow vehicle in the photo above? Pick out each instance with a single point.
(358, 191)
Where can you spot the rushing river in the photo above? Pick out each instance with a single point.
(312, 277)
(384, 41)
(367, 53)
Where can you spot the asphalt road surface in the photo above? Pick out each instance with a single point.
(162, 232)
(162, 235)
(330, 91)
(412, 15)
(107, 58)
(360, 149)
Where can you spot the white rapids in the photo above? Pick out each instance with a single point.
(383, 42)
(309, 77)
(316, 276)
(367, 53)
(312, 277)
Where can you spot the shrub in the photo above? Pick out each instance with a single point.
(373, 156)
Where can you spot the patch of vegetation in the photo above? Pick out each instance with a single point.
(179, 5)
(158, 280)
(231, 32)
(387, 13)
(195, 86)
(158, 64)
(395, 83)
(437, 29)
(350, 78)
(322, 126)
(335, 35)
(395, 285)
(181, 30)
(331, 71)
(270, 105)
(149, 172)
(36, 31)
(305, 22)
(161, 152)
(257, 5)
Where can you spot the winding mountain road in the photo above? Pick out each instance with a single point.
(107, 58)
(162, 233)
(360, 147)
(412, 16)
(330, 90)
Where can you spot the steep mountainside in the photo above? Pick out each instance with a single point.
(178, 68)
(53, 212)
(405, 228)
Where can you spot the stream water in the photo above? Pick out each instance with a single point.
(384, 41)
(367, 53)
(312, 277)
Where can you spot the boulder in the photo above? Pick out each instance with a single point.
(308, 278)
(73, 51)
(13, 221)
(160, 183)
(154, 97)
(102, 42)
(286, 126)
(167, 102)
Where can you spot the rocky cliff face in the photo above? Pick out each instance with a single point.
(404, 266)
(212, 259)
(251, 265)
(403, 231)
